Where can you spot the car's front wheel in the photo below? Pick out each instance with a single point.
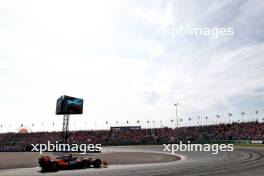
(97, 163)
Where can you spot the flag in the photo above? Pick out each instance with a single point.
(243, 113)
(230, 114)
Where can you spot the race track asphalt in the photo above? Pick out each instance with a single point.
(243, 161)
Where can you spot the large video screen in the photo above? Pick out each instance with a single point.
(69, 105)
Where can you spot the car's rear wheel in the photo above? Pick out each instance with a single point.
(97, 163)
(54, 166)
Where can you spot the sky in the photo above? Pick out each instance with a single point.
(118, 57)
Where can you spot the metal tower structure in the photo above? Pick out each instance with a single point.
(65, 128)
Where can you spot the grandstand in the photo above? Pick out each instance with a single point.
(234, 131)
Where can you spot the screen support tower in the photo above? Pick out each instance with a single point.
(65, 128)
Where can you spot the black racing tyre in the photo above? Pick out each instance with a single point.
(97, 163)
(54, 166)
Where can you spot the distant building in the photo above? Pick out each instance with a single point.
(23, 130)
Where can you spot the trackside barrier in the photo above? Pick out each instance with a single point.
(219, 142)
(257, 142)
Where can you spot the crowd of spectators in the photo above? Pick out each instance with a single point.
(235, 131)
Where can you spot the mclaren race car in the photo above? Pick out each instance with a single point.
(67, 162)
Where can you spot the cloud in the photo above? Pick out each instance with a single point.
(117, 57)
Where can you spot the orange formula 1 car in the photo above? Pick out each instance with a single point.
(67, 162)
